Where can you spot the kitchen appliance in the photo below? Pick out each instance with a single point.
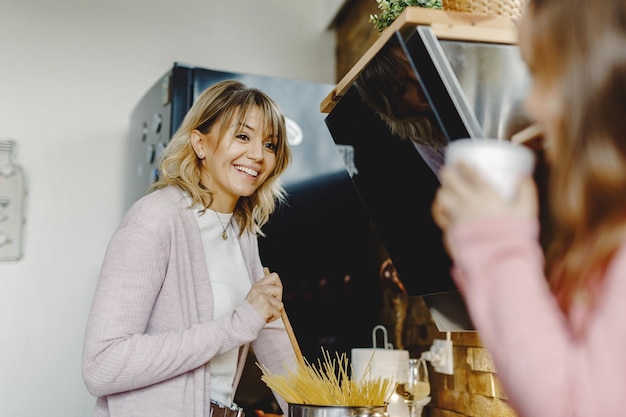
(473, 87)
(307, 410)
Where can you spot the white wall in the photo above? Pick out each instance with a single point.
(70, 73)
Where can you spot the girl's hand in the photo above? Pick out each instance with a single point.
(464, 196)
(266, 297)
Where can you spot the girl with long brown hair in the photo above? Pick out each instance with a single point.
(555, 328)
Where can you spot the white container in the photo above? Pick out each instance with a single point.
(500, 162)
(382, 363)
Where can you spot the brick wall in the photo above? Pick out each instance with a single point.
(354, 33)
(473, 390)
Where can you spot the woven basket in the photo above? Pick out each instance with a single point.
(504, 8)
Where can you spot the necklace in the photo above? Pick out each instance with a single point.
(224, 228)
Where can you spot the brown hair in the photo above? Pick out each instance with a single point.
(579, 46)
(227, 100)
(382, 85)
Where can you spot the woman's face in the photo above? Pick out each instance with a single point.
(237, 165)
(543, 102)
(411, 93)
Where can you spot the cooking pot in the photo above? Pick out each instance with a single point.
(307, 410)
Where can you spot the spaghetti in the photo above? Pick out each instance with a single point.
(328, 384)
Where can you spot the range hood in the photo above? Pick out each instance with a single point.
(475, 87)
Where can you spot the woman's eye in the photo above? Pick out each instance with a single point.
(400, 88)
(243, 136)
(270, 145)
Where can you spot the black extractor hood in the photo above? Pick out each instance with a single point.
(471, 87)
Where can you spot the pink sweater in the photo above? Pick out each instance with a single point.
(550, 365)
(150, 333)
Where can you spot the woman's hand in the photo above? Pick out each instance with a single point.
(266, 297)
(464, 196)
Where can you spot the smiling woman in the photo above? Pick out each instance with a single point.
(178, 302)
(236, 158)
(221, 119)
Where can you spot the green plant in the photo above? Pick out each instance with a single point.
(391, 9)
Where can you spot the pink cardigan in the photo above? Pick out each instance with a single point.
(150, 334)
(549, 364)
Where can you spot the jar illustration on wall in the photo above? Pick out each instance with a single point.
(12, 199)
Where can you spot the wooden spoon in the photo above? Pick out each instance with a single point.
(290, 333)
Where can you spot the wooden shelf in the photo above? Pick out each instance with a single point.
(445, 25)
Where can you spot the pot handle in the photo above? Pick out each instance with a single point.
(383, 329)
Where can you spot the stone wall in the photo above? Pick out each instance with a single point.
(473, 390)
(354, 33)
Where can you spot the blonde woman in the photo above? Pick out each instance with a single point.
(182, 293)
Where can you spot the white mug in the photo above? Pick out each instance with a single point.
(500, 162)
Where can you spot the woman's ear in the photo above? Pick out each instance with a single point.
(197, 143)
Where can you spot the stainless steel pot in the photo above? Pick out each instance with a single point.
(306, 410)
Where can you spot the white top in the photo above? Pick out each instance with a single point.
(231, 283)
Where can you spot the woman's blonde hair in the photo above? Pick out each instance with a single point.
(227, 101)
(585, 59)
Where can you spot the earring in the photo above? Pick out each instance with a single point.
(201, 155)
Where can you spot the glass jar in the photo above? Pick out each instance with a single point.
(12, 198)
